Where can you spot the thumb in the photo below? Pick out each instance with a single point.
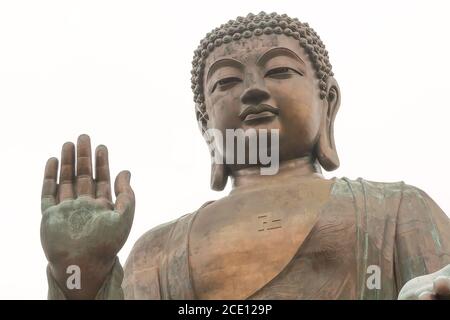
(125, 200)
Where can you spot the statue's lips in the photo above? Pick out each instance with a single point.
(258, 112)
(260, 115)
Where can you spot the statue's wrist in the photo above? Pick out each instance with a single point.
(111, 288)
(80, 281)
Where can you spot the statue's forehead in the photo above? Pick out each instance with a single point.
(248, 50)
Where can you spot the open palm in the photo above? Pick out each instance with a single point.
(80, 224)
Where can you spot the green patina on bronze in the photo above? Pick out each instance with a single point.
(292, 235)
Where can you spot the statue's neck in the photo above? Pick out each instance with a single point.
(299, 168)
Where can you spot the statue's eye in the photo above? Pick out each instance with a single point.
(226, 83)
(281, 72)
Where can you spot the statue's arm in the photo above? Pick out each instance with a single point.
(422, 247)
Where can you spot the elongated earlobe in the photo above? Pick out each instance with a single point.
(325, 148)
(219, 172)
(219, 176)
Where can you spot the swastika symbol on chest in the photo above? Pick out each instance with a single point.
(268, 221)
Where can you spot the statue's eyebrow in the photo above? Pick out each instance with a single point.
(277, 51)
(225, 62)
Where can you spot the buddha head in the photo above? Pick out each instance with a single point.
(267, 71)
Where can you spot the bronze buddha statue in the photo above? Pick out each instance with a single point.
(288, 235)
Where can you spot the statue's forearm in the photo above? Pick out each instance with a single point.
(110, 290)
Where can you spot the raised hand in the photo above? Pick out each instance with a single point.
(81, 226)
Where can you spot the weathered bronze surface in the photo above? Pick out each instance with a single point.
(292, 235)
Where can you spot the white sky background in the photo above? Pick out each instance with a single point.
(120, 71)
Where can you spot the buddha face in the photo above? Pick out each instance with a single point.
(265, 82)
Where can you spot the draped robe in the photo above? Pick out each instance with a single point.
(392, 231)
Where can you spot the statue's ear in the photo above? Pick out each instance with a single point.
(325, 148)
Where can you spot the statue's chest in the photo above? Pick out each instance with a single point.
(240, 243)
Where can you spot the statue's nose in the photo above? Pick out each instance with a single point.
(254, 95)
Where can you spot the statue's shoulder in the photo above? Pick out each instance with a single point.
(143, 266)
(377, 187)
(391, 195)
(345, 187)
(151, 246)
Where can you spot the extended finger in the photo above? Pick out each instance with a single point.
(85, 182)
(124, 194)
(441, 286)
(67, 173)
(49, 186)
(102, 178)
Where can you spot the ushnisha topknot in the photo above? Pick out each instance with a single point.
(255, 25)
